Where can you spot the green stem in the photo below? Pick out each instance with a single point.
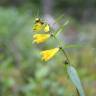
(62, 49)
(65, 54)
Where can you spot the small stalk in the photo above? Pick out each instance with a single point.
(65, 54)
(67, 61)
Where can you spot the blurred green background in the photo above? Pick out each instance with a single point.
(22, 73)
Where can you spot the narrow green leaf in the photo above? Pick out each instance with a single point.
(58, 19)
(61, 28)
(58, 31)
(66, 23)
(75, 79)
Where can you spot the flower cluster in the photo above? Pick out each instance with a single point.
(41, 26)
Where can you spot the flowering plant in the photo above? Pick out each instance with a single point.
(48, 54)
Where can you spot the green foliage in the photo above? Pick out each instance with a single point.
(75, 79)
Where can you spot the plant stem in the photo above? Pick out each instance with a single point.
(65, 54)
(62, 49)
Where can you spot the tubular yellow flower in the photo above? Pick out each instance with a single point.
(40, 38)
(39, 24)
(46, 29)
(38, 27)
(48, 54)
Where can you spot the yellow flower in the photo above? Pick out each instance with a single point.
(46, 29)
(40, 38)
(48, 54)
(38, 27)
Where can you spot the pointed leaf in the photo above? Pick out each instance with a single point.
(61, 28)
(75, 79)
